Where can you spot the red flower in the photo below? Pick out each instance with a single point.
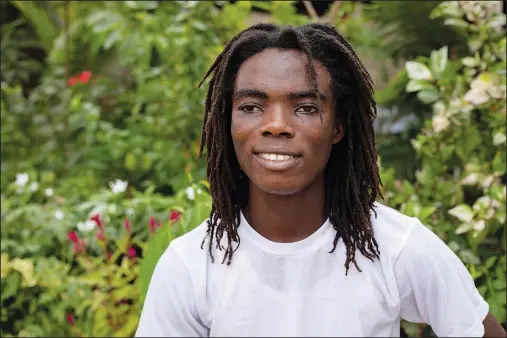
(100, 235)
(70, 318)
(131, 252)
(76, 248)
(174, 216)
(153, 224)
(97, 220)
(126, 225)
(72, 81)
(73, 237)
(85, 77)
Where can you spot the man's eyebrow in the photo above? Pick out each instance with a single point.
(249, 92)
(263, 95)
(307, 94)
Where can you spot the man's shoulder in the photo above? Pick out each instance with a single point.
(189, 244)
(392, 229)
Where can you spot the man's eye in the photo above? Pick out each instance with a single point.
(250, 108)
(307, 109)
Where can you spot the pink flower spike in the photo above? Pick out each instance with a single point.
(131, 252)
(97, 220)
(153, 224)
(70, 318)
(174, 216)
(126, 225)
(100, 235)
(73, 237)
(76, 248)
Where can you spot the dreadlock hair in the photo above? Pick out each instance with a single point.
(351, 175)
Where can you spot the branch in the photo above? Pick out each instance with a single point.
(333, 12)
(311, 10)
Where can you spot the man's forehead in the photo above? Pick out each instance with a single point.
(280, 71)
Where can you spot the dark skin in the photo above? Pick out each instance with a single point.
(275, 112)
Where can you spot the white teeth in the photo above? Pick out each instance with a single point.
(275, 157)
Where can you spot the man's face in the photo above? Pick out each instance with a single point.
(279, 139)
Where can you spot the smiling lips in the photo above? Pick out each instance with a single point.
(275, 157)
(278, 161)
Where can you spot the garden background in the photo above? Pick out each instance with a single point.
(101, 118)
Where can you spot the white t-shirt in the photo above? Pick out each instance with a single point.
(300, 289)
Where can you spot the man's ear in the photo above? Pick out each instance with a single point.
(339, 133)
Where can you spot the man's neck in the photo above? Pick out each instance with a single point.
(287, 218)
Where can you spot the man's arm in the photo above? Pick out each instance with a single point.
(436, 288)
(492, 327)
(169, 308)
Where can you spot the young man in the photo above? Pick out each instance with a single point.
(293, 171)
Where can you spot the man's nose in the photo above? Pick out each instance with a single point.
(277, 123)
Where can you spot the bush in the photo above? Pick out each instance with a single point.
(100, 130)
(459, 190)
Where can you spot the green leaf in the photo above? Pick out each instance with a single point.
(130, 161)
(25, 267)
(428, 95)
(458, 23)
(417, 85)
(10, 285)
(497, 21)
(463, 212)
(438, 61)
(468, 257)
(417, 71)
(156, 246)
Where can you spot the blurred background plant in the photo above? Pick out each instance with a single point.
(101, 120)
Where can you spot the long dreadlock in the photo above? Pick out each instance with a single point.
(352, 175)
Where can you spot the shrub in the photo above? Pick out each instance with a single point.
(459, 190)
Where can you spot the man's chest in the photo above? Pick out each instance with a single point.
(275, 296)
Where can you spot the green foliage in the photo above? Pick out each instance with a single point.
(459, 190)
(407, 30)
(101, 116)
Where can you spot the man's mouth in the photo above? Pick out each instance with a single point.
(276, 157)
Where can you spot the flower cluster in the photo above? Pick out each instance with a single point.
(83, 77)
(79, 245)
(96, 222)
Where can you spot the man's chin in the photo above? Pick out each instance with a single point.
(278, 188)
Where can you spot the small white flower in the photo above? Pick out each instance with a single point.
(59, 215)
(34, 186)
(476, 96)
(48, 192)
(479, 225)
(439, 123)
(130, 211)
(87, 226)
(118, 186)
(199, 191)
(22, 179)
(190, 192)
